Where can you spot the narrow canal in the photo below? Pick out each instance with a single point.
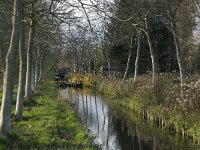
(116, 129)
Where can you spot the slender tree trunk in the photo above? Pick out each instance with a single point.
(178, 54)
(137, 57)
(33, 82)
(28, 86)
(153, 59)
(152, 51)
(169, 60)
(128, 62)
(40, 68)
(33, 76)
(22, 70)
(76, 61)
(89, 67)
(180, 59)
(6, 106)
(37, 67)
(108, 62)
(1, 70)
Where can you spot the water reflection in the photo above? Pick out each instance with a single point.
(117, 129)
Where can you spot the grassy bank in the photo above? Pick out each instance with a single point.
(165, 104)
(48, 123)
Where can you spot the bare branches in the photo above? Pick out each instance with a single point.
(82, 5)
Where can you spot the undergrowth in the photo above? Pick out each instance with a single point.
(178, 105)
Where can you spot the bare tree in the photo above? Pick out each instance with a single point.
(171, 14)
(137, 56)
(129, 59)
(6, 106)
(151, 48)
(22, 68)
(28, 86)
(5, 33)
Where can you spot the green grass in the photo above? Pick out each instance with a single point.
(48, 123)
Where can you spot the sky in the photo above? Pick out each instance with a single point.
(89, 16)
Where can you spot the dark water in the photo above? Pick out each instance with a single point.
(116, 129)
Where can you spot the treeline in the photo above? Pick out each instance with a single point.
(31, 42)
(156, 36)
(36, 38)
(138, 37)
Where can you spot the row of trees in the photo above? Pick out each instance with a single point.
(156, 35)
(141, 36)
(83, 52)
(34, 30)
(135, 35)
(45, 35)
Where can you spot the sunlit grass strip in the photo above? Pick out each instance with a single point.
(49, 123)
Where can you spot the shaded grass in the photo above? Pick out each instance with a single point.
(48, 123)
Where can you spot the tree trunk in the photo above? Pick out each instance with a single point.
(40, 68)
(178, 53)
(28, 86)
(1, 70)
(94, 71)
(22, 70)
(153, 59)
(137, 57)
(33, 82)
(6, 106)
(152, 53)
(108, 62)
(128, 62)
(89, 67)
(33, 76)
(76, 61)
(37, 66)
(180, 59)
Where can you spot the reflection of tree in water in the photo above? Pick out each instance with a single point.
(108, 133)
(86, 115)
(119, 129)
(104, 118)
(126, 141)
(91, 110)
(83, 104)
(139, 136)
(95, 99)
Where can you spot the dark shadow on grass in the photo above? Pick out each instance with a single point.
(13, 141)
(30, 103)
